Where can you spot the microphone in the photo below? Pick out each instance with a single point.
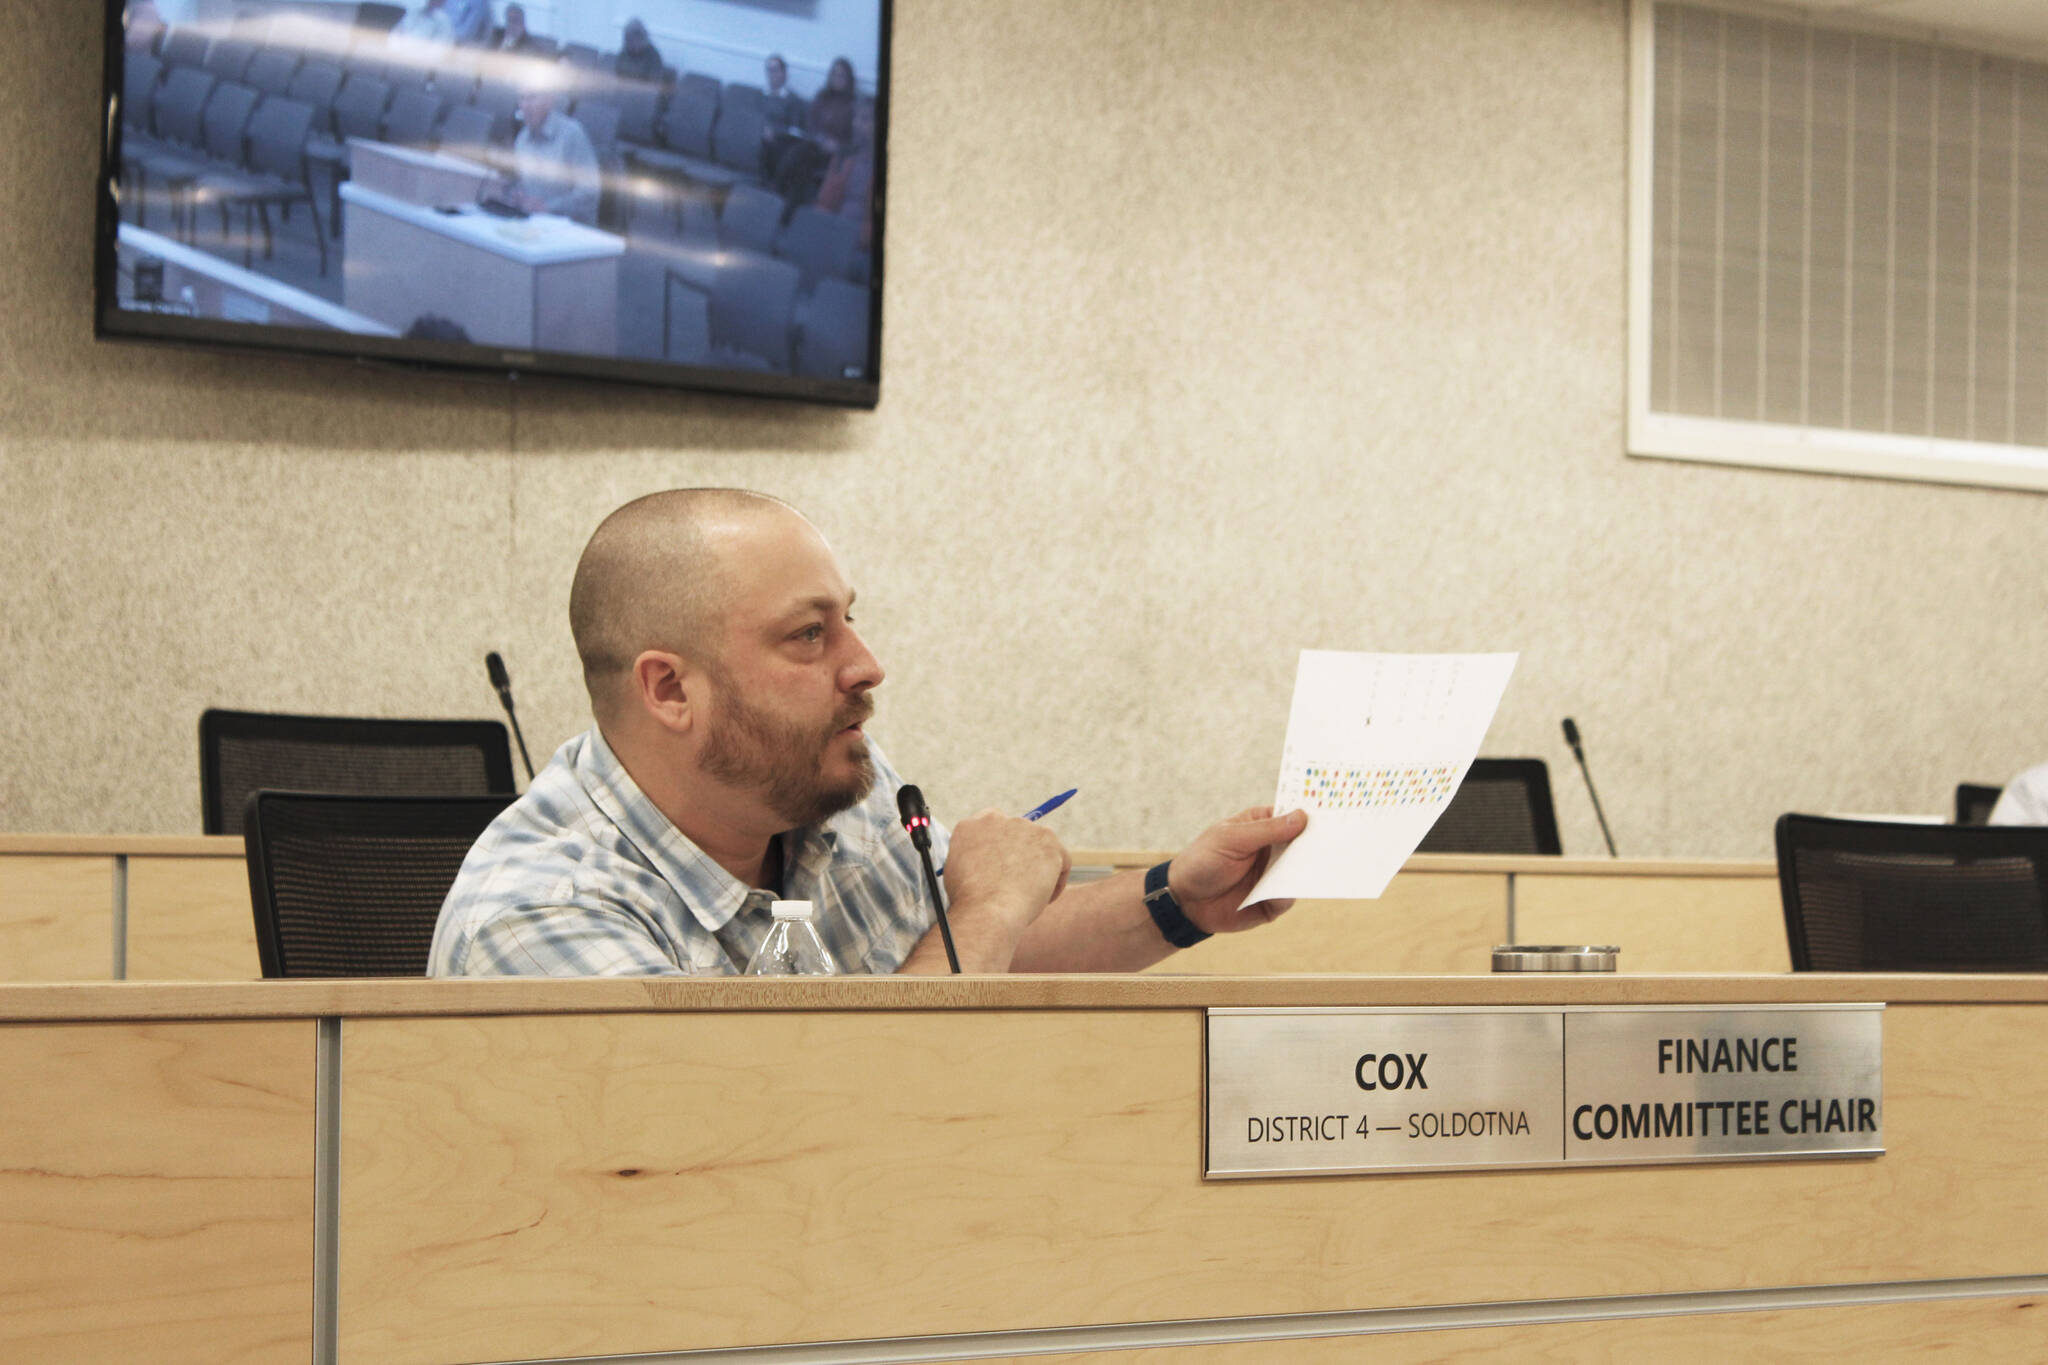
(502, 680)
(917, 821)
(1571, 737)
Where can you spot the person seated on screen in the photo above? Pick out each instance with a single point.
(471, 20)
(782, 113)
(514, 36)
(2024, 800)
(554, 167)
(729, 766)
(427, 31)
(639, 59)
(849, 183)
(782, 109)
(828, 126)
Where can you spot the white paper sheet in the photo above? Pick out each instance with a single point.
(1376, 747)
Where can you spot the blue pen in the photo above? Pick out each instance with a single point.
(1043, 809)
(1050, 804)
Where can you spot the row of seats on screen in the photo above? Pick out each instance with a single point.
(714, 128)
(656, 146)
(201, 141)
(761, 315)
(178, 115)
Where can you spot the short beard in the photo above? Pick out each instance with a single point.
(783, 763)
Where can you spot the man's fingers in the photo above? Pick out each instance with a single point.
(1262, 832)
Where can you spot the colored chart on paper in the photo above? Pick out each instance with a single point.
(1376, 747)
(1322, 787)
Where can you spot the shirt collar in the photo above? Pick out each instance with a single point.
(713, 894)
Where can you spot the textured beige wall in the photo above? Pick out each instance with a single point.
(1214, 330)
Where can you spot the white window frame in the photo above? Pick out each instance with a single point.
(1672, 436)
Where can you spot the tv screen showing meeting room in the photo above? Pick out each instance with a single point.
(680, 192)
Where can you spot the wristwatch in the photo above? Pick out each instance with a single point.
(1174, 925)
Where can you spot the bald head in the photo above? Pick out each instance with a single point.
(658, 574)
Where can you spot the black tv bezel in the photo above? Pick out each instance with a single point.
(111, 322)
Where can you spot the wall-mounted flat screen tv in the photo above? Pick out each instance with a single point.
(673, 192)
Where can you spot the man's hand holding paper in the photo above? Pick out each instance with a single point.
(1377, 745)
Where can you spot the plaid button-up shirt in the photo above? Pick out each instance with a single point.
(583, 876)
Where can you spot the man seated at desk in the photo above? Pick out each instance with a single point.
(553, 164)
(728, 768)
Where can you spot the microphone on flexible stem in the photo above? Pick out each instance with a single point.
(1571, 737)
(917, 820)
(502, 680)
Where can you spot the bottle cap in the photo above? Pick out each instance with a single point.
(790, 910)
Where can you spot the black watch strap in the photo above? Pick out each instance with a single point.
(1174, 925)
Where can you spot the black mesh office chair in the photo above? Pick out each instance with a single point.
(1870, 895)
(351, 885)
(1974, 803)
(1503, 806)
(240, 751)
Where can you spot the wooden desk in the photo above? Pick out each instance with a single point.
(177, 909)
(423, 1173)
(1445, 912)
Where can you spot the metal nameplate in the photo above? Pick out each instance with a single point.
(1716, 1084)
(1325, 1091)
(1357, 1090)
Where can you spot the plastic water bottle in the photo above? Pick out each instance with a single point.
(792, 947)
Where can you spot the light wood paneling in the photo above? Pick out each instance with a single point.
(56, 918)
(1978, 1330)
(517, 1187)
(156, 1192)
(1426, 922)
(365, 999)
(205, 845)
(1662, 924)
(189, 920)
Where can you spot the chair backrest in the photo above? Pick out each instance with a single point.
(352, 885)
(413, 118)
(240, 751)
(181, 104)
(600, 120)
(227, 122)
(686, 126)
(753, 303)
(277, 138)
(1974, 802)
(501, 102)
(272, 70)
(639, 111)
(1503, 806)
(138, 89)
(832, 331)
(820, 244)
(378, 17)
(1871, 895)
(229, 57)
(749, 218)
(737, 141)
(359, 108)
(466, 132)
(184, 46)
(316, 84)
